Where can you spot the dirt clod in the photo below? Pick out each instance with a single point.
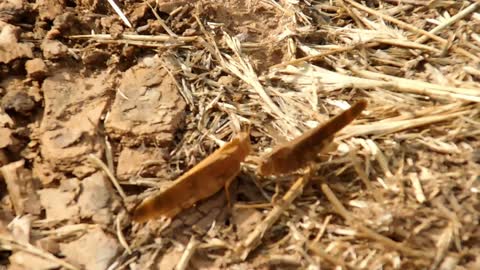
(24, 260)
(53, 49)
(5, 137)
(36, 69)
(169, 260)
(69, 133)
(11, 5)
(93, 251)
(147, 108)
(141, 162)
(96, 195)
(21, 188)
(95, 57)
(245, 220)
(18, 101)
(49, 9)
(10, 47)
(59, 204)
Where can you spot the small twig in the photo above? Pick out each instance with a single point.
(363, 176)
(157, 38)
(331, 81)
(411, 28)
(343, 212)
(139, 43)
(383, 127)
(300, 242)
(317, 56)
(11, 244)
(417, 187)
(380, 157)
(110, 175)
(67, 230)
(109, 155)
(252, 206)
(254, 238)
(20, 189)
(160, 20)
(120, 13)
(457, 17)
(242, 68)
(314, 247)
(187, 254)
(278, 259)
(417, 86)
(396, 21)
(444, 242)
(353, 15)
(322, 229)
(407, 44)
(410, 2)
(120, 236)
(324, 255)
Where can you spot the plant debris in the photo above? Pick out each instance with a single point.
(103, 106)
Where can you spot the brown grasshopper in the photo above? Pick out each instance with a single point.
(202, 181)
(222, 166)
(297, 153)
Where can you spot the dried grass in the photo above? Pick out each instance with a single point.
(416, 205)
(416, 116)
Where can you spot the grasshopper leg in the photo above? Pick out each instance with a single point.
(227, 187)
